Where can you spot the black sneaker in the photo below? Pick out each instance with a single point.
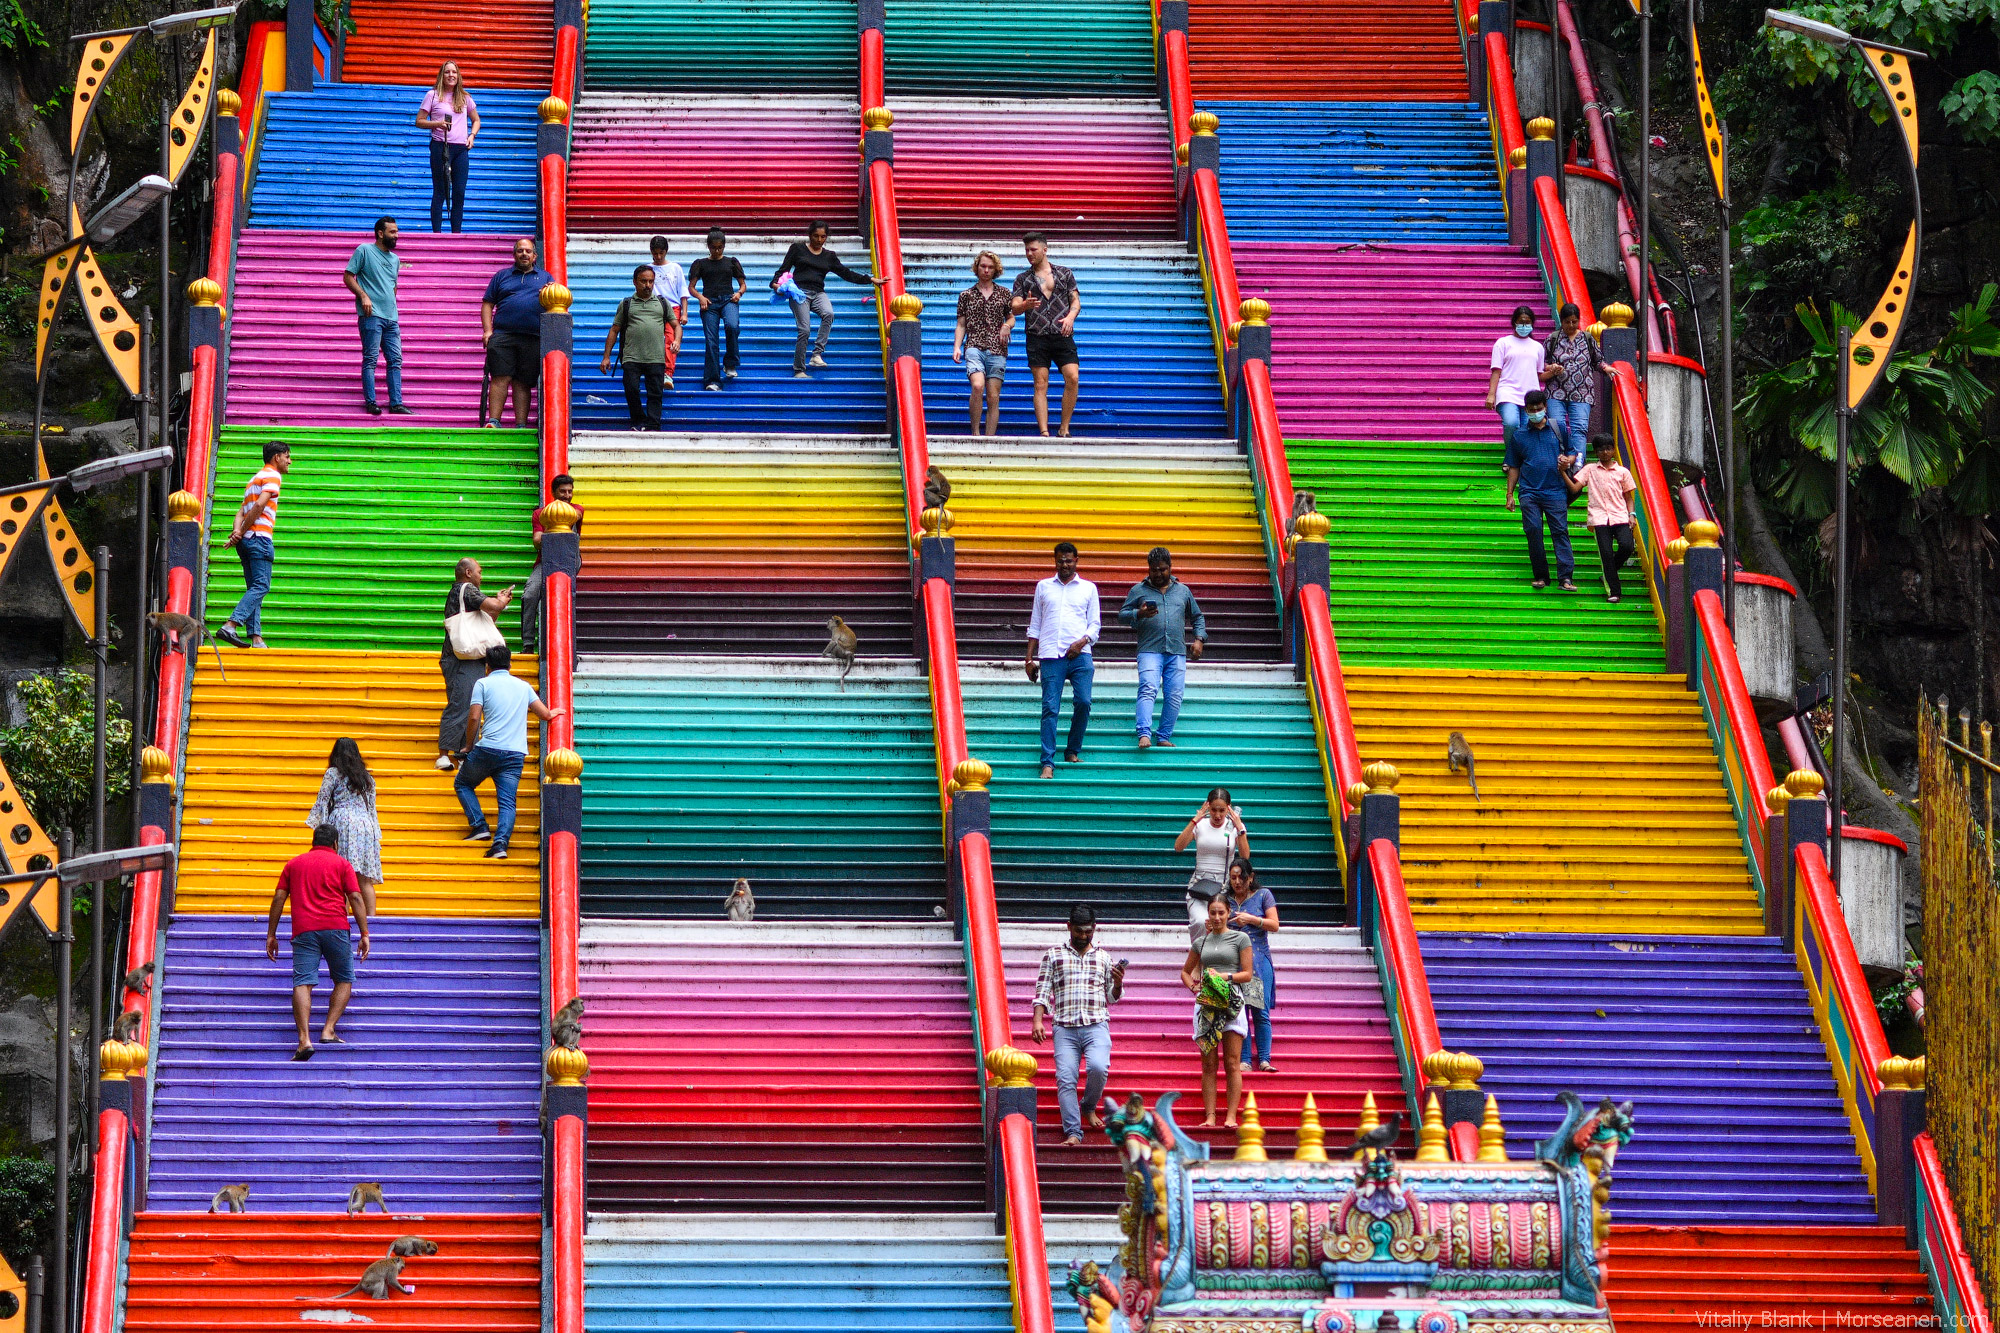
(372, 409)
(397, 409)
(497, 852)
(478, 835)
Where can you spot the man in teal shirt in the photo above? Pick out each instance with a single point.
(371, 276)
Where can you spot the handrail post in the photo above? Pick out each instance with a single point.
(1701, 571)
(1542, 161)
(566, 1127)
(1494, 16)
(1803, 821)
(1378, 816)
(1899, 1118)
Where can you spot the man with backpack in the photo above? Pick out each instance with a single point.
(640, 331)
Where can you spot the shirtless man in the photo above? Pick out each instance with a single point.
(1046, 293)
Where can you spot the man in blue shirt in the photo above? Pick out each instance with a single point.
(496, 746)
(1535, 467)
(510, 316)
(1163, 610)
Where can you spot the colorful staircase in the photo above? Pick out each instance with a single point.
(1324, 49)
(1685, 1278)
(692, 45)
(493, 46)
(1040, 48)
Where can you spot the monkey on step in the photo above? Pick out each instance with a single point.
(230, 1199)
(176, 629)
(376, 1280)
(1458, 754)
(363, 1194)
(840, 646)
(741, 905)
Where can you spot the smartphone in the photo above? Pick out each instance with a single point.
(1124, 962)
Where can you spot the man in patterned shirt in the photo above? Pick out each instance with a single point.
(1076, 987)
(252, 536)
(1046, 293)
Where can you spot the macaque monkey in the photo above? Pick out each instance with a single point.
(140, 978)
(937, 488)
(376, 1280)
(125, 1027)
(1303, 502)
(178, 629)
(741, 905)
(363, 1194)
(1458, 754)
(230, 1199)
(404, 1246)
(840, 646)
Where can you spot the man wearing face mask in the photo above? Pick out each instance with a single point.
(1536, 466)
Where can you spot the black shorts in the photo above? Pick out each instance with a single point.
(1050, 349)
(514, 356)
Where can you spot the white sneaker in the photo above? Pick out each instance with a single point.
(713, 388)
(818, 361)
(668, 382)
(444, 763)
(729, 374)
(800, 375)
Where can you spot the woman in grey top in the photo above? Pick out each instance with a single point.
(347, 801)
(462, 673)
(1222, 977)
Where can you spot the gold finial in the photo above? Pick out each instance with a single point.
(1371, 1118)
(1312, 526)
(905, 306)
(183, 507)
(227, 103)
(567, 1068)
(1255, 310)
(1431, 1144)
(111, 1060)
(937, 521)
(1438, 1066)
(1913, 1076)
(1235, 332)
(554, 111)
(1467, 1069)
(562, 766)
(1596, 331)
(1777, 798)
(1492, 1134)
(972, 774)
(1677, 550)
(1517, 158)
(1618, 315)
(1250, 1134)
(1381, 776)
(1203, 122)
(556, 298)
(1010, 1067)
(1895, 1072)
(205, 292)
(1803, 783)
(1701, 532)
(1312, 1136)
(1181, 153)
(558, 516)
(1355, 792)
(878, 118)
(156, 765)
(1541, 127)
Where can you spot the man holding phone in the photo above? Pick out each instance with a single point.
(1076, 987)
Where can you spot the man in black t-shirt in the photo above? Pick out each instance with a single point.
(809, 262)
(718, 283)
(1046, 293)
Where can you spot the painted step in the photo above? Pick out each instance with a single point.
(1090, 169)
(1358, 171)
(1326, 50)
(317, 145)
(809, 45)
(843, 397)
(270, 1270)
(1677, 1279)
(704, 769)
(1697, 1032)
(1667, 860)
(495, 46)
(991, 47)
(445, 1125)
(443, 494)
(757, 165)
(870, 1103)
(1145, 349)
(1103, 830)
(1330, 1037)
(1441, 509)
(295, 345)
(1335, 311)
(719, 544)
(257, 748)
(1014, 502)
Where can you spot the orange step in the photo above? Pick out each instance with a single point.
(1669, 1279)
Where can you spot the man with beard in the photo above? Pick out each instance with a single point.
(371, 275)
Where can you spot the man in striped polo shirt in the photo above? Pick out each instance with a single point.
(251, 536)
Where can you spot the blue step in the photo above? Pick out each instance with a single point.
(319, 147)
(1359, 171)
(844, 397)
(1145, 353)
(1713, 1039)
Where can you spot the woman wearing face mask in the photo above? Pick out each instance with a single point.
(1573, 365)
(1519, 364)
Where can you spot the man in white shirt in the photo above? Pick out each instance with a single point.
(1065, 624)
(670, 282)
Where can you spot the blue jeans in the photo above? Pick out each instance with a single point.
(1260, 1019)
(1079, 673)
(258, 554)
(1090, 1047)
(1152, 666)
(715, 322)
(1572, 424)
(1537, 508)
(1510, 421)
(451, 163)
(382, 337)
(504, 767)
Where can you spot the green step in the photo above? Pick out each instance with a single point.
(825, 799)
(1430, 570)
(1102, 831)
(1030, 48)
(371, 525)
(797, 46)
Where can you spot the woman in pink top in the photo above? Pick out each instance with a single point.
(1519, 364)
(1609, 485)
(452, 117)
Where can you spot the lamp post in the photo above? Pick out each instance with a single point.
(1861, 360)
(1715, 137)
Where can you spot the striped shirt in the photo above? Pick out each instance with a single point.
(264, 485)
(1076, 988)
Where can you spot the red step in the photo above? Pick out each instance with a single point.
(1669, 1279)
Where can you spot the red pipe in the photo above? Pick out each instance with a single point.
(107, 1207)
(1323, 659)
(562, 82)
(1267, 444)
(1180, 88)
(555, 217)
(568, 1225)
(1221, 260)
(1506, 111)
(1741, 714)
(1024, 1211)
(1843, 967)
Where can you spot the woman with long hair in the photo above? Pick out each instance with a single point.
(347, 801)
(1255, 912)
(1222, 978)
(452, 117)
(1218, 836)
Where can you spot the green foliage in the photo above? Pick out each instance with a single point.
(19, 34)
(1973, 104)
(333, 15)
(50, 756)
(1792, 244)
(1933, 26)
(27, 1208)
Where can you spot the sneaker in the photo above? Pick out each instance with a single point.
(490, 425)
(231, 635)
(398, 410)
(817, 362)
(371, 409)
(497, 852)
(713, 388)
(1539, 584)
(668, 382)
(1609, 597)
(478, 835)
(800, 375)
(1145, 742)
(444, 763)
(1568, 585)
(729, 374)
(257, 641)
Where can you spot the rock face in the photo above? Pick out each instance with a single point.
(1926, 610)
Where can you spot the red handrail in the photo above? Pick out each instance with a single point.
(1405, 960)
(107, 1214)
(1738, 712)
(1961, 1276)
(1221, 265)
(1818, 896)
(1506, 112)
(1562, 247)
(1180, 89)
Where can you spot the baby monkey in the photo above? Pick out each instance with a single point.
(178, 628)
(363, 1194)
(230, 1199)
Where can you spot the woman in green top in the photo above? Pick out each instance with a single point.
(1220, 975)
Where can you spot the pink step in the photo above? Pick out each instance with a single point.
(295, 345)
(1387, 342)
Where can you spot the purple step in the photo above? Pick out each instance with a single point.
(1387, 342)
(295, 345)
(435, 1092)
(1712, 1039)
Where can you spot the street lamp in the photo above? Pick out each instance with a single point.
(1860, 361)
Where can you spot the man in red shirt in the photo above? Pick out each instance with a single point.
(324, 893)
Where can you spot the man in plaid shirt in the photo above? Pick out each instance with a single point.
(1077, 986)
